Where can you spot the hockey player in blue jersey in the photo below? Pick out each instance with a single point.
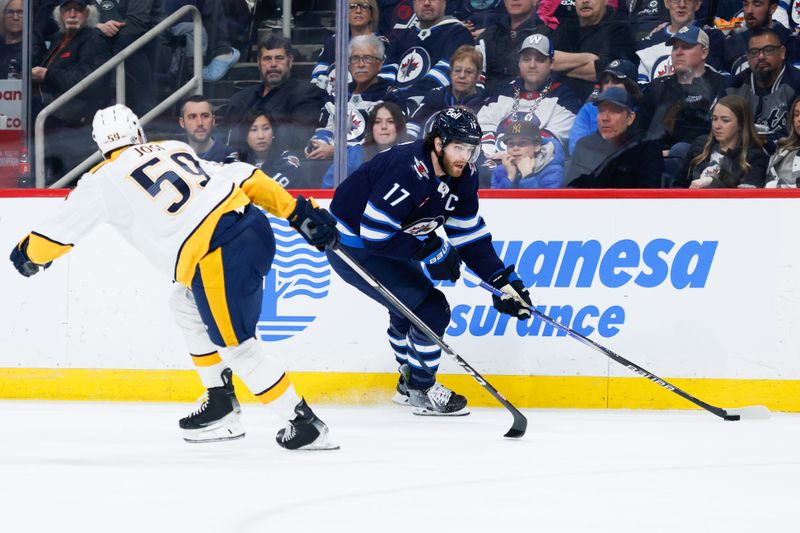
(387, 214)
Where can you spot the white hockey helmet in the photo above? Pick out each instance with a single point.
(116, 126)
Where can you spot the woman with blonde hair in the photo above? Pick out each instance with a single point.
(731, 155)
(784, 165)
(11, 39)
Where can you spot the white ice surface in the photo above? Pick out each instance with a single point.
(119, 467)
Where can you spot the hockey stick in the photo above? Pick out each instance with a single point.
(520, 423)
(752, 412)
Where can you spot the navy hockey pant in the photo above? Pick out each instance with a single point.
(228, 283)
(407, 281)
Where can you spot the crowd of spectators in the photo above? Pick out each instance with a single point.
(576, 93)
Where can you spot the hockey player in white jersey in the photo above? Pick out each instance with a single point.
(195, 221)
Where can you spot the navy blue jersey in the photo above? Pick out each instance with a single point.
(394, 198)
(419, 60)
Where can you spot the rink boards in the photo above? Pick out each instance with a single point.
(701, 289)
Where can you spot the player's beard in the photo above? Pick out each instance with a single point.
(448, 166)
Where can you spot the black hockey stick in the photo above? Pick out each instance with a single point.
(752, 412)
(520, 423)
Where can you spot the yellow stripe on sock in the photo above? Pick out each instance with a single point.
(206, 360)
(213, 274)
(275, 391)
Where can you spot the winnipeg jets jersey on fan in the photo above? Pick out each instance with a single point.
(554, 104)
(396, 197)
(359, 106)
(419, 60)
(163, 199)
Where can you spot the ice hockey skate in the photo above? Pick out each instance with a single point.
(305, 432)
(437, 400)
(401, 396)
(217, 419)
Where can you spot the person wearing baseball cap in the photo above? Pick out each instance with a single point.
(654, 50)
(531, 161)
(619, 73)
(674, 109)
(535, 92)
(615, 156)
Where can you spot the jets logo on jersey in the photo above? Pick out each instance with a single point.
(481, 5)
(424, 226)
(420, 169)
(415, 63)
(299, 276)
(661, 67)
(358, 126)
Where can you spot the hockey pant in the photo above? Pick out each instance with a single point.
(407, 281)
(219, 315)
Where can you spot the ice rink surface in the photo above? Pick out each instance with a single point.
(122, 467)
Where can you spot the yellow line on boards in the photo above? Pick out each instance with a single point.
(580, 392)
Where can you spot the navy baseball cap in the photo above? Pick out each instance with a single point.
(522, 128)
(622, 69)
(616, 96)
(690, 35)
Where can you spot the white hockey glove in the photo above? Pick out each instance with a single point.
(516, 299)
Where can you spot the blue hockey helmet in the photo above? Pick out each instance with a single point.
(456, 124)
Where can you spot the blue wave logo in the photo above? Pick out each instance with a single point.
(300, 274)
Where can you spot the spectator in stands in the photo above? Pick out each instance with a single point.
(476, 15)
(655, 55)
(615, 157)
(11, 39)
(556, 12)
(256, 141)
(386, 127)
(731, 155)
(197, 119)
(418, 59)
(365, 92)
(757, 15)
(463, 90)
(534, 92)
(530, 161)
(121, 23)
(674, 110)
(294, 104)
(584, 47)
(501, 41)
(74, 53)
(647, 15)
(769, 84)
(619, 73)
(363, 18)
(219, 54)
(783, 169)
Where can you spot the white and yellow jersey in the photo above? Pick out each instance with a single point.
(163, 199)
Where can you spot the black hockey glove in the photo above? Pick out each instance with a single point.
(315, 224)
(516, 299)
(23, 264)
(440, 257)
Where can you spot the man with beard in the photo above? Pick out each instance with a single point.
(385, 208)
(294, 104)
(770, 85)
(198, 121)
(758, 15)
